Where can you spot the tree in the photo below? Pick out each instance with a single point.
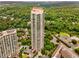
(57, 40)
(26, 42)
(50, 55)
(43, 51)
(20, 54)
(30, 47)
(48, 47)
(77, 50)
(23, 42)
(74, 41)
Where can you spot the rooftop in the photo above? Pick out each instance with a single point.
(6, 32)
(37, 10)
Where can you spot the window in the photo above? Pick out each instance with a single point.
(38, 30)
(33, 24)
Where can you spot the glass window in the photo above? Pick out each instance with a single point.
(33, 24)
(38, 31)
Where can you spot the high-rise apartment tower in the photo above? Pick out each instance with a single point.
(8, 43)
(37, 28)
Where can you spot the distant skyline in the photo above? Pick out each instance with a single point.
(39, 0)
(52, 1)
(48, 4)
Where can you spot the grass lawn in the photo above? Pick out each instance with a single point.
(25, 55)
(64, 34)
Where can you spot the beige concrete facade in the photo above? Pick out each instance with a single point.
(8, 43)
(37, 28)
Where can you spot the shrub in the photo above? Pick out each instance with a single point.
(74, 41)
(77, 50)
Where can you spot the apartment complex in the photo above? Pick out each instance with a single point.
(37, 28)
(8, 43)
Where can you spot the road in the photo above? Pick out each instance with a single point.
(65, 49)
(56, 52)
